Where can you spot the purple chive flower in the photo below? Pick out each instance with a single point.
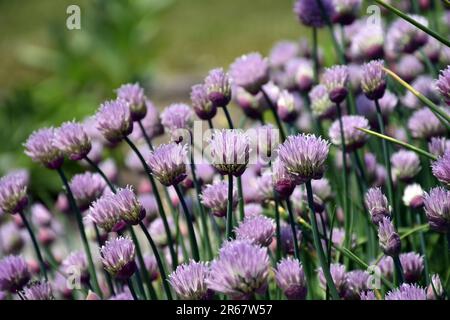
(409, 67)
(203, 108)
(439, 145)
(215, 198)
(86, 188)
(129, 208)
(189, 281)
(290, 278)
(437, 209)
(310, 14)
(304, 74)
(413, 196)
(252, 105)
(151, 123)
(250, 71)
(283, 182)
(126, 295)
(14, 273)
(322, 189)
(412, 264)
(335, 79)
(388, 238)
(282, 52)
(339, 277)
(134, 95)
(367, 43)
(152, 266)
(177, 116)
(118, 257)
(366, 107)
(13, 193)
(252, 210)
(150, 206)
(229, 150)
(407, 292)
(443, 84)
(304, 156)
(40, 215)
(286, 108)
(72, 140)
(405, 165)
(287, 239)
(218, 87)
(424, 124)
(321, 105)
(386, 265)
(105, 213)
(158, 231)
(373, 81)
(377, 204)
(346, 11)
(76, 264)
(356, 284)
(40, 147)
(265, 186)
(441, 168)
(168, 163)
(258, 230)
(354, 138)
(114, 120)
(404, 37)
(240, 271)
(435, 290)
(367, 295)
(38, 291)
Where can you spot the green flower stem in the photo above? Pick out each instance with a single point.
(346, 197)
(399, 277)
(443, 116)
(315, 55)
(273, 108)
(318, 245)
(140, 258)
(145, 135)
(277, 225)
(35, 245)
(229, 226)
(158, 261)
(190, 225)
(132, 291)
(387, 160)
(84, 239)
(210, 124)
(425, 29)
(241, 199)
(423, 248)
(158, 201)
(101, 173)
(400, 143)
(227, 115)
(294, 230)
(337, 47)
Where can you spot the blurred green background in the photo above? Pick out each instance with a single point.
(49, 74)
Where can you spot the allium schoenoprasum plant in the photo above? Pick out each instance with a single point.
(333, 183)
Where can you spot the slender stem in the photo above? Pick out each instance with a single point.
(158, 202)
(400, 143)
(140, 258)
(404, 16)
(84, 239)
(210, 124)
(273, 108)
(347, 217)
(35, 245)
(227, 115)
(130, 286)
(336, 45)
(293, 228)
(398, 270)
(241, 198)
(277, 223)
(158, 261)
(315, 55)
(145, 135)
(190, 225)
(387, 161)
(318, 244)
(423, 249)
(229, 226)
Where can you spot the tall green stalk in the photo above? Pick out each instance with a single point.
(229, 226)
(273, 109)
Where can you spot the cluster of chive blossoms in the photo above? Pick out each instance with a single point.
(353, 170)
